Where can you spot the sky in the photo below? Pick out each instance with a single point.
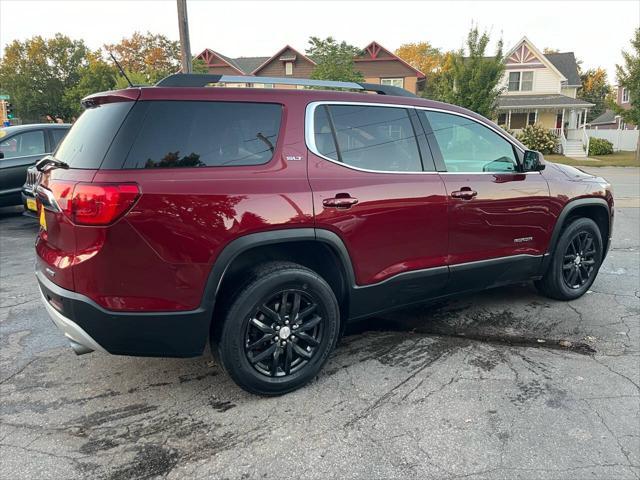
(595, 30)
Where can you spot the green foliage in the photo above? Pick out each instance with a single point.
(600, 146)
(471, 81)
(137, 78)
(629, 78)
(96, 76)
(152, 55)
(334, 61)
(536, 137)
(594, 89)
(37, 72)
(200, 66)
(49, 77)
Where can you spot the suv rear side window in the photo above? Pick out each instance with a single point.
(86, 144)
(368, 137)
(204, 134)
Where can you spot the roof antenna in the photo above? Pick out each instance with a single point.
(121, 69)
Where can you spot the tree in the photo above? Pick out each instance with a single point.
(422, 56)
(36, 73)
(550, 50)
(334, 61)
(152, 55)
(594, 89)
(95, 76)
(471, 81)
(629, 77)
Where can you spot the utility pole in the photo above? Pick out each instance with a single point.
(185, 47)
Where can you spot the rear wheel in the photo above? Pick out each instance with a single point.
(575, 262)
(279, 330)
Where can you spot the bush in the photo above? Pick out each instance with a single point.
(600, 146)
(536, 137)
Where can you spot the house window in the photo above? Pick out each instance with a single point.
(394, 82)
(527, 82)
(532, 118)
(520, 81)
(625, 95)
(502, 119)
(514, 81)
(288, 68)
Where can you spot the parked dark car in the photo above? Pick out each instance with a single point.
(265, 219)
(20, 147)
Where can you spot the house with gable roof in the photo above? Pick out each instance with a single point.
(541, 88)
(376, 63)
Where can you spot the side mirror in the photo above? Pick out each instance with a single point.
(1, 154)
(533, 161)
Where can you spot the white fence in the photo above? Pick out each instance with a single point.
(622, 139)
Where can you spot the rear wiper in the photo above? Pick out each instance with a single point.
(49, 163)
(260, 136)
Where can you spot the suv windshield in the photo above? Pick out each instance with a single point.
(88, 140)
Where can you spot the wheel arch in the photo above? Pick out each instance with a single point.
(594, 208)
(320, 250)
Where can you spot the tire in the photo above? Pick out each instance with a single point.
(575, 263)
(256, 326)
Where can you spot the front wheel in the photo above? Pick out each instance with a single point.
(575, 263)
(279, 330)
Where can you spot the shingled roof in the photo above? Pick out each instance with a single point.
(566, 63)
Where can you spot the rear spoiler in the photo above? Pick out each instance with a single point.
(126, 95)
(202, 80)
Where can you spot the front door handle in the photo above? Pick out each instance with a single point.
(465, 193)
(341, 200)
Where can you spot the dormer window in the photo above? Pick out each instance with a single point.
(520, 81)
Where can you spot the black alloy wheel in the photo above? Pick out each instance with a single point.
(579, 260)
(279, 327)
(283, 333)
(575, 261)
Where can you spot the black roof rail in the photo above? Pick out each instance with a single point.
(202, 80)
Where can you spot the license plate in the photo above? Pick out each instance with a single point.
(31, 204)
(43, 221)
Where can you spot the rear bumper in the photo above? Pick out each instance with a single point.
(90, 327)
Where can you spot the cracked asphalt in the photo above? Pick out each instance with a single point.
(500, 385)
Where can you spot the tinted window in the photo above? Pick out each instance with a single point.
(199, 134)
(322, 133)
(468, 146)
(57, 134)
(374, 138)
(23, 144)
(86, 143)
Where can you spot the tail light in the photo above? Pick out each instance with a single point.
(94, 203)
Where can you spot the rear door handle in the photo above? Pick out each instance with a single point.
(341, 200)
(465, 193)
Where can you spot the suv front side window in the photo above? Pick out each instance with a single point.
(367, 137)
(468, 146)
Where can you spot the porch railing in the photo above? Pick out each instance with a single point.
(586, 139)
(562, 139)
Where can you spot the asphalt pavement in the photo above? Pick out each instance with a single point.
(505, 384)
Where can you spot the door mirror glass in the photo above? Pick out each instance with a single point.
(532, 161)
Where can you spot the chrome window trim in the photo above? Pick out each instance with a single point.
(310, 140)
(309, 137)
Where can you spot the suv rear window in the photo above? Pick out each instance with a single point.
(88, 140)
(203, 134)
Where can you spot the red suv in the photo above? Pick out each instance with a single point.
(265, 219)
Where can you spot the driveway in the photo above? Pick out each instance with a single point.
(501, 385)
